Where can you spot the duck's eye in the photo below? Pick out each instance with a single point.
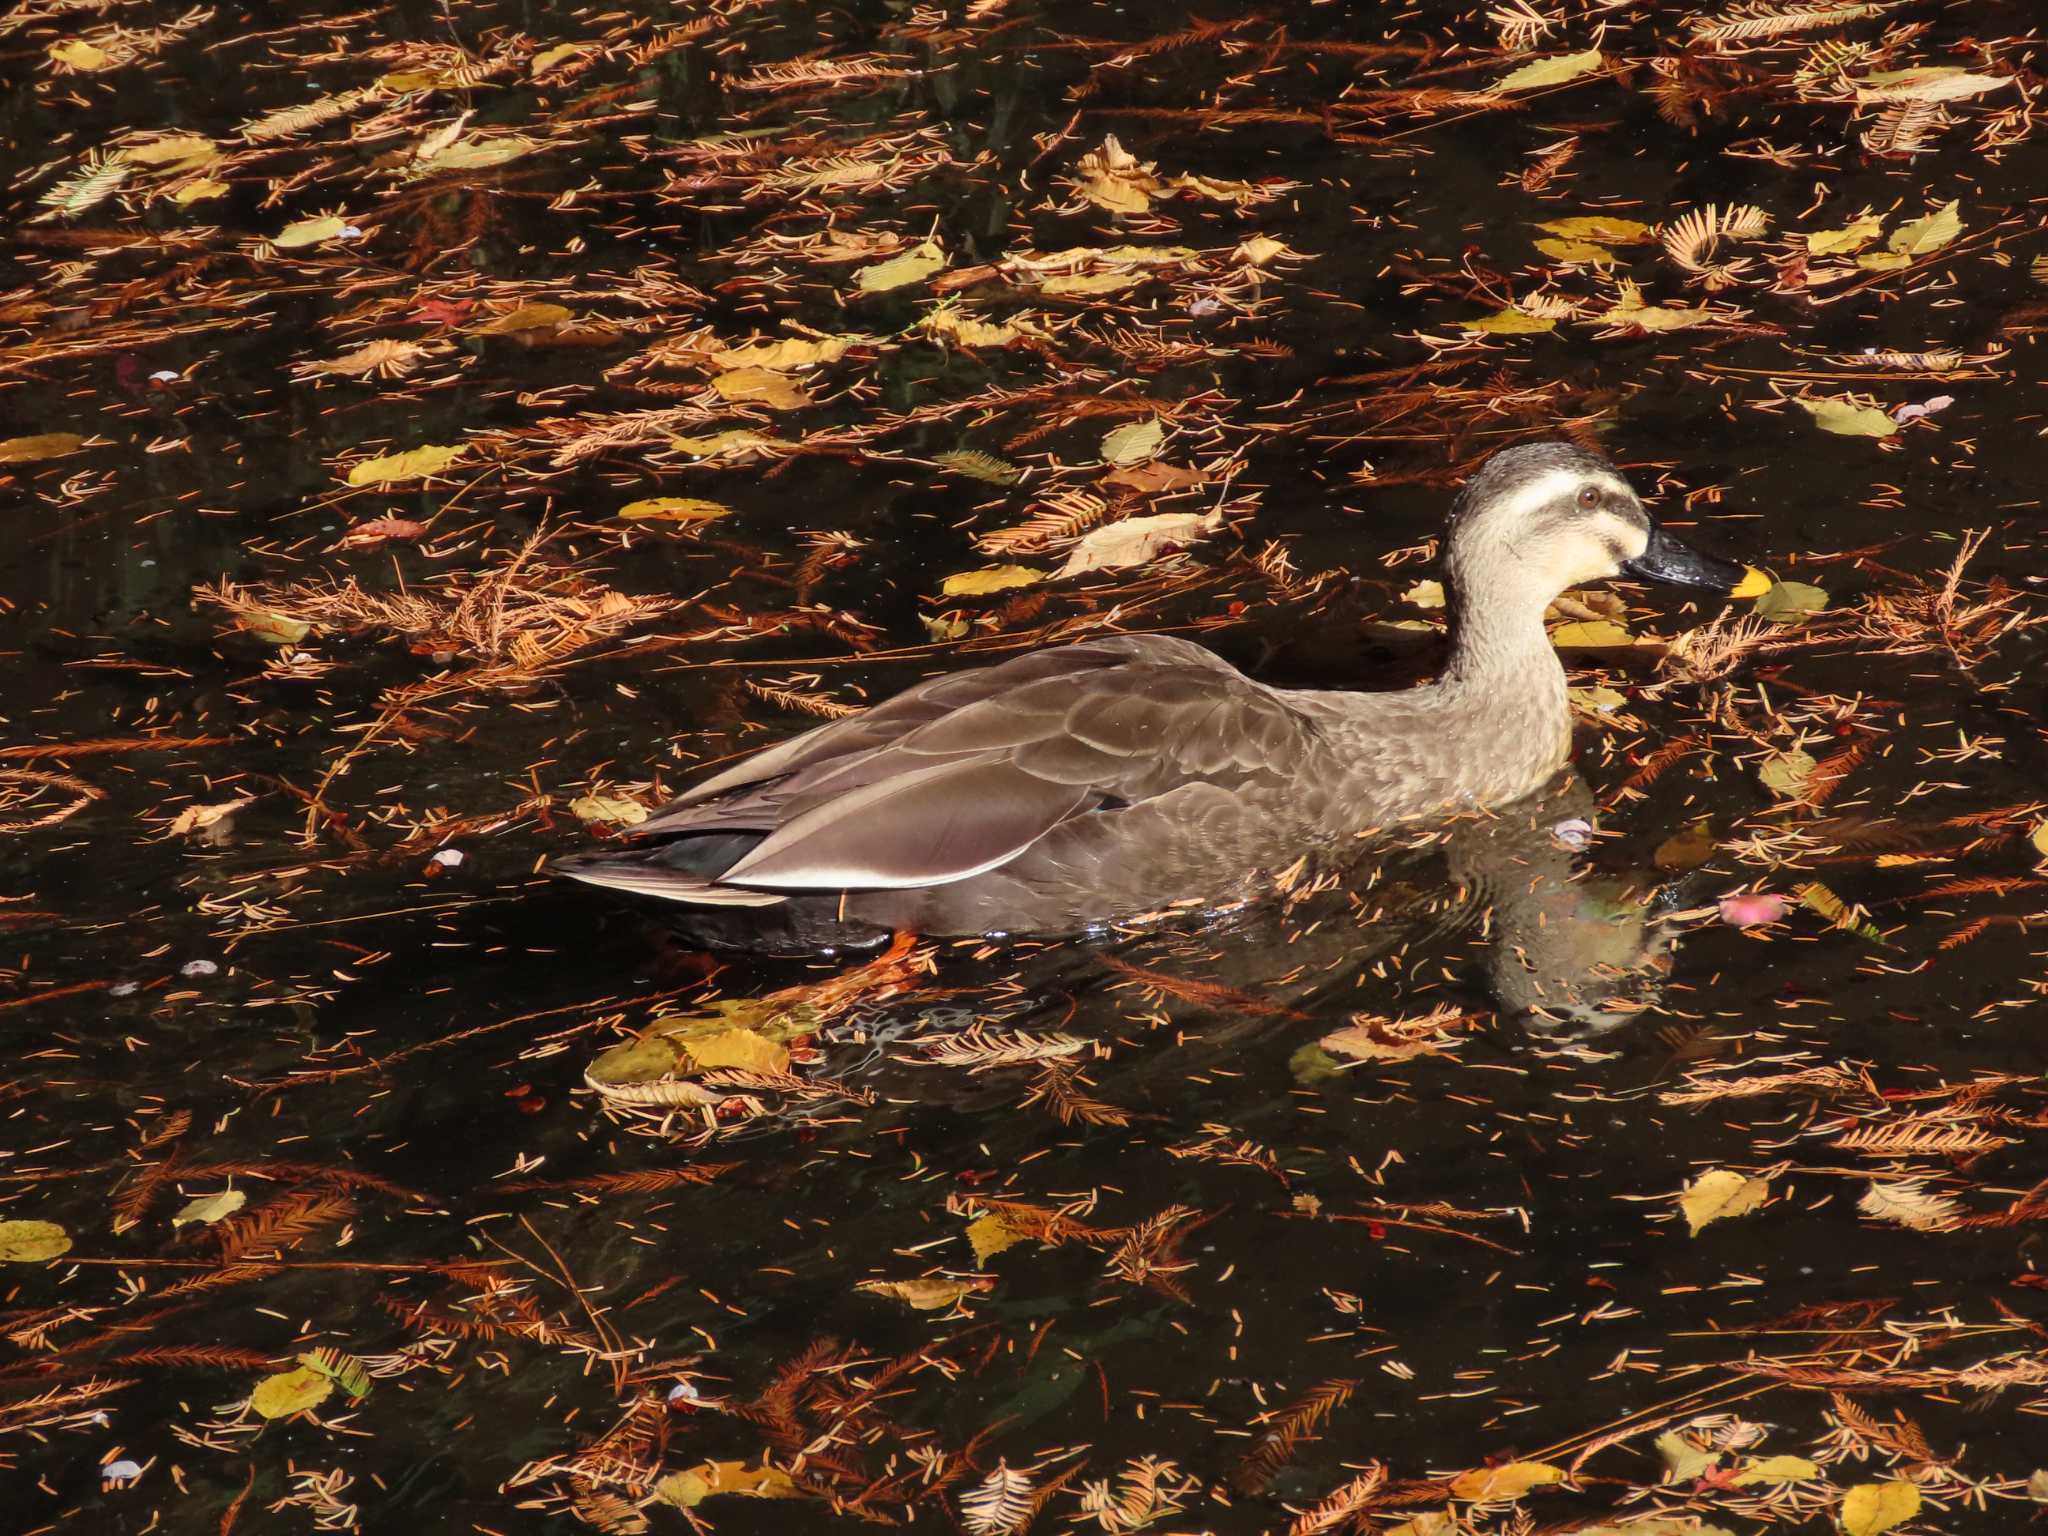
(1589, 498)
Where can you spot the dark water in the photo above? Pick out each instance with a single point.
(388, 1054)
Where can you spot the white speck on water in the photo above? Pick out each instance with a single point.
(124, 989)
(1575, 833)
(447, 858)
(199, 968)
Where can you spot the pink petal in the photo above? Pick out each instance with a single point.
(1752, 909)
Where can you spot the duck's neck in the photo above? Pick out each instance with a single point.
(1505, 681)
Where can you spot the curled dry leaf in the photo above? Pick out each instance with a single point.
(930, 1294)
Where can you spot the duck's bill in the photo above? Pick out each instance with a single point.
(1667, 560)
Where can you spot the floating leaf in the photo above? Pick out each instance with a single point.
(1509, 1481)
(796, 352)
(913, 266)
(738, 443)
(2040, 839)
(32, 1242)
(182, 151)
(199, 191)
(1590, 635)
(1718, 1194)
(289, 1392)
(80, 55)
(1785, 774)
(1846, 418)
(738, 1049)
(994, 578)
(413, 464)
(1754, 583)
(992, 1234)
(207, 1209)
(1870, 1508)
(474, 155)
(608, 810)
(763, 386)
(979, 466)
(275, 628)
(1425, 594)
(1686, 850)
(44, 445)
(1603, 228)
(1555, 70)
(1137, 540)
(1509, 322)
(1777, 1469)
(1847, 240)
(688, 1489)
(344, 1370)
(1791, 602)
(1581, 253)
(1684, 1461)
(1134, 442)
(646, 1060)
(673, 509)
(930, 1294)
(1926, 82)
(527, 317)
(1926, 235)
(303, 232)
(1753, 909)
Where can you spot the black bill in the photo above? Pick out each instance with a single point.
(1670, 561)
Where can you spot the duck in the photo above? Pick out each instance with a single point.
(1119, 778)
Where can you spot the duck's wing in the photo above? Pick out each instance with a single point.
(960, 775)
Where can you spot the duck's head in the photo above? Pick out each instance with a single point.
(1543, 517)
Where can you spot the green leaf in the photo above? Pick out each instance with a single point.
(913, 266)
(1579, 253)
(1134, 442)
(1851, 237)
(1924, 236)
(1791, 602)
(32, 1242)
(1845, 418)
(1603, 227)
(1555, 70)
(1509, 322)
(1785, 774)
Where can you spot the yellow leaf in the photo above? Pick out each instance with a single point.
(690, 1488)
(32, 1242)
(2040, 839)
(1590, 635)
(44, 445)
(548, 58)
(1845, 418)
(1602, 701)
(740, 1049)
(1926, 235)
(1686, 850)
(673, 509)
(1850, 238)
(1926, 82)
(475, 155)
(1654, 317)
(527, 317)
(1510, 1481)
(199, 191)
(413, 464)
(275, 628)
(1555, 70)
(1684, 1461)
(1869, 1508)
(992, 1234)
(1090, 282)
(289, 1392)
(1134, 442)
(1720, 1193)
(184, 150)
(913, 266)
(777, 391)
(930, 1294)
(1603, 227)
(793, 353)
(737, 443)
(1425, 594)
(1509, 322)
(1785, 774)
(308, 232)
(1778, 1469)
(1884, 261)
(208, 1209)
(1577, 252)
(995, 578)
(1754, 583)
(646, 1060)
(608, 810)
(80, 55)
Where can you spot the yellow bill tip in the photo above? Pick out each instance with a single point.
(1754, 583)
